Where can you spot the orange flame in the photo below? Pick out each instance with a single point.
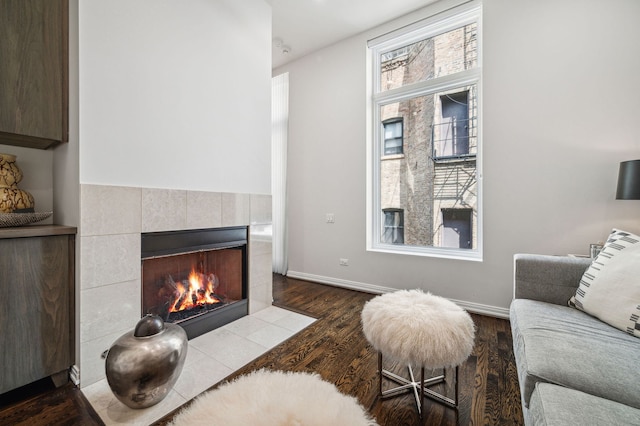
(200, 291)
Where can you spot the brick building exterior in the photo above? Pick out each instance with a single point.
(428, 162)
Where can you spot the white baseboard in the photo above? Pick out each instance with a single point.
(477, 308)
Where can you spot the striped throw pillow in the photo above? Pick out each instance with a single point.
(610, 288)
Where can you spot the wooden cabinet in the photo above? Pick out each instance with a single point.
(34, 89)
(37, 304)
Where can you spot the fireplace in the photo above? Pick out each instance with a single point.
(195, 278)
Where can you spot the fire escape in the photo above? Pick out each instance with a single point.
(454, 157)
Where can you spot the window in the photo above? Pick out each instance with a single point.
(392, 136)
(393, 226)
(451, 129)
(424, 94)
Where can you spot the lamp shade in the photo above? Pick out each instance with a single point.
(629, 181)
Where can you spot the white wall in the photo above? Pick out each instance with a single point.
(164, 94)
(560, 108)
(176, 94)
(66, 163)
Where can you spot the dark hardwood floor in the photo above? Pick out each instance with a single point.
(335, 348)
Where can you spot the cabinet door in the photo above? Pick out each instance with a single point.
(33, 72)
(35, 309)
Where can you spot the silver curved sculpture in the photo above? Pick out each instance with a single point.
(143, 365)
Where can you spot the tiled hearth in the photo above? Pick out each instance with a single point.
(108, 264)
(210, 359)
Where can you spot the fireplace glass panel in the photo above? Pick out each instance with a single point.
(184, 286)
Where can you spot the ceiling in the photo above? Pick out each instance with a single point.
(303, 26)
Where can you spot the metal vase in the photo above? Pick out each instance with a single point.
(143, 365)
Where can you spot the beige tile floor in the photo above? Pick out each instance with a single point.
(210, 358)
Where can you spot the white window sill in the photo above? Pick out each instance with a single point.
(473, 255)
(392, 157)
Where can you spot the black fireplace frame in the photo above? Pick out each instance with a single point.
(168, 243)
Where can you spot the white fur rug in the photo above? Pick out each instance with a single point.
(274, 398)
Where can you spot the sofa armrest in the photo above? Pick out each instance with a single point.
(551, 279)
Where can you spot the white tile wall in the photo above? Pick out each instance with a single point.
(163, 209)
(204, 209)
(119, 302)
(110, 259)
(106, 210)
(236, 209)
(112, 219)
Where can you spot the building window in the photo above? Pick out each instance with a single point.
(392, 136)
(393, 232)
(424, 98)
(451, 127)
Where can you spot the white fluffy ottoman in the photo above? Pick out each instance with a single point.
(420, 330)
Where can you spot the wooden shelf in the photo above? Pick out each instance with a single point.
(36, 231)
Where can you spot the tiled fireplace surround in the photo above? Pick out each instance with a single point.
(109, 261)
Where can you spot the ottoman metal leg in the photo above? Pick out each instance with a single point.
(419, 392)
(453, 403)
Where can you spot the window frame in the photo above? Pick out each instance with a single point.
(437, 24)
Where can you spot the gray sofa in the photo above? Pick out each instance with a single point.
(573, 369)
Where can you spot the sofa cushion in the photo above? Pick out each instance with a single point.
(553, 405)
(561, 345)
(610, 287)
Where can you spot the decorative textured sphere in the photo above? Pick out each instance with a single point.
(143, 365)
(10, 174)
(12, 199)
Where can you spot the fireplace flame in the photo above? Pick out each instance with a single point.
(198, 290)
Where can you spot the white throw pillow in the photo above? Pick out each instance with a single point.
(610, 287)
